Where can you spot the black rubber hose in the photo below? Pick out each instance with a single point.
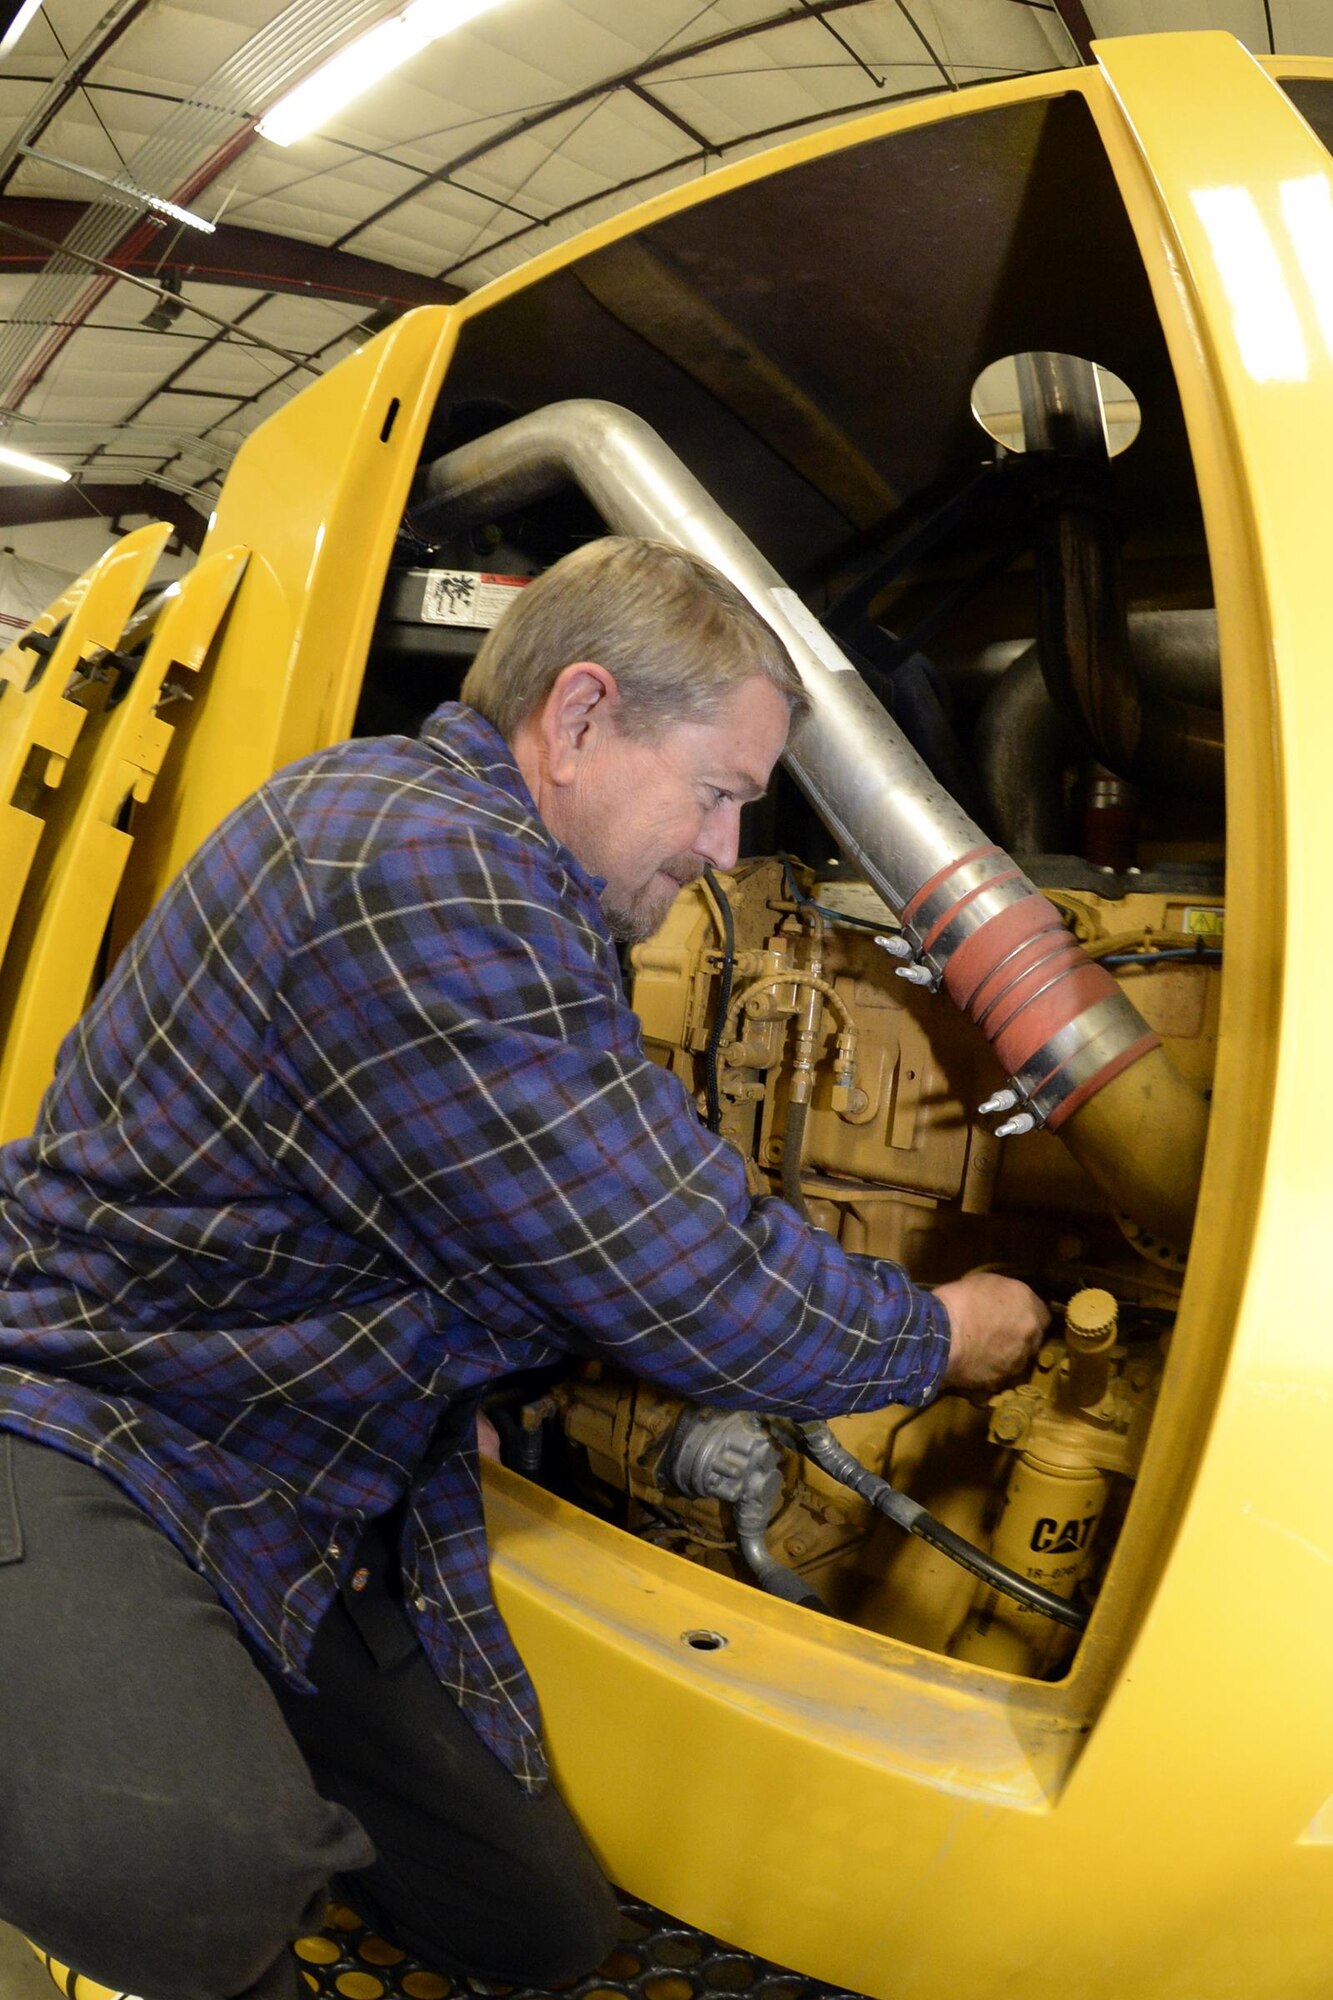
(712, 1090)
(793, 1144)
(820, 1444)
(750, 1522)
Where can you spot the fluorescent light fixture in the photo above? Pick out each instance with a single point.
(17, 25)
(137, 196)
(371, 57)
(160, 206)
(21, 462)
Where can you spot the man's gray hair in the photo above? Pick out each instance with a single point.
(675, 634)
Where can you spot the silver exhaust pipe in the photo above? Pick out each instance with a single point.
(1063, 1031)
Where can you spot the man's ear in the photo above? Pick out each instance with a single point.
(575, 716)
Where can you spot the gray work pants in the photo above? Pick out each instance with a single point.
(170, 1817)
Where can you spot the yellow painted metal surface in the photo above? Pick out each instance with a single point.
(47, 973)
(316, 493)
(39, 726)
(897, 1824)
(1159, 1826)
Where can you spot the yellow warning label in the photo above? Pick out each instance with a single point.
(1202, 922)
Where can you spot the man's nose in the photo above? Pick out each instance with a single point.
(720, 839)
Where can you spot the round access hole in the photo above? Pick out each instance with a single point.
(703, 1640)
(1023, 392)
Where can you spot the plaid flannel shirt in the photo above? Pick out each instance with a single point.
(361, 1122)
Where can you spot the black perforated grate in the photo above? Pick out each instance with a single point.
(656, 1958)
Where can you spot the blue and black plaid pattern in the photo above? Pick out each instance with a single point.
(361, 1122)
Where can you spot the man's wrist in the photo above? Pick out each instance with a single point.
(943, 1336)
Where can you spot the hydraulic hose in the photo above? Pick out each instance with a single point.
(750, 1519)
(819, 1443)
(793, 1143)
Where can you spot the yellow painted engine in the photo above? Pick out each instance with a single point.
(854, 1093)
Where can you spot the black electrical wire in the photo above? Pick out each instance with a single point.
(799, 896)
(712, 1087)
(819, 1443)
(1189, 954)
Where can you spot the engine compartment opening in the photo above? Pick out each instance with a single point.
(961, 1003)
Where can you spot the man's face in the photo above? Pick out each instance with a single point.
(652, 813)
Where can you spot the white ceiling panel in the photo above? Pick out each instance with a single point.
(18, 96)
(349, 180)
(305, 221)
(130, 117)
(543, 170)
(1303, 25)
(326, 206)
(177, 45)
(487, 106)
(1243, 18)
(41, 52)
(432, 229)
(194, 414)
(486, 263)
(302, 325)
(227, 301)
(966, 33)
(13, 288)
(240, 370)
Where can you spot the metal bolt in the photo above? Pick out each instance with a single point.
(999, 1100)
(1008, 1426)
(916, 975)
(1014, 1128)
(895, 944)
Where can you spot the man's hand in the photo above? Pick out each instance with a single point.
(997, 1325)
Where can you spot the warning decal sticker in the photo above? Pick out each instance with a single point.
(468, 596)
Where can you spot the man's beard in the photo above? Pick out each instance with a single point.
(633, 918)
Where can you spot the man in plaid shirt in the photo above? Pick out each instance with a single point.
(360, 1124)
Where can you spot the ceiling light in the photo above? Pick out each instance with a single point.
(160, 206)
(21, 462)
(138, 197)
(19, 18)
(372, 56)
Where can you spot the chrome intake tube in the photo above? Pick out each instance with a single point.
(1060, 1025)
